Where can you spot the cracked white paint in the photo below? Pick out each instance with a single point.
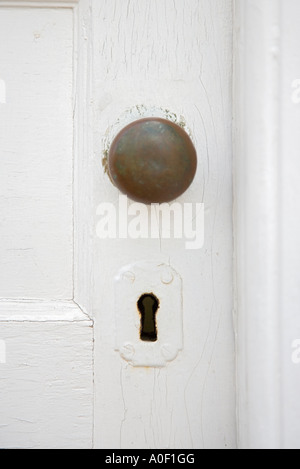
(173, 55)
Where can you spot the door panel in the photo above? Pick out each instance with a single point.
(36, 135)
(46, 384)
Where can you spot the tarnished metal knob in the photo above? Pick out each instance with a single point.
(152, 160)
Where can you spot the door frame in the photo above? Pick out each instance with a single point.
(257, 170)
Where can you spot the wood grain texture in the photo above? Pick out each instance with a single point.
(46, 386)
(174, 55)
(36, 135)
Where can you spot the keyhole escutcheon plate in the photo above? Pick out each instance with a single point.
(148, 313)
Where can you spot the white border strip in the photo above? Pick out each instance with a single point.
(256, 206)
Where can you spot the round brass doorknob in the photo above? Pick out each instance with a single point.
(152, 160)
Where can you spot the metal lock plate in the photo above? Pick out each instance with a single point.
(163, 282)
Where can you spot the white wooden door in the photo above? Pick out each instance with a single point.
(72, 73)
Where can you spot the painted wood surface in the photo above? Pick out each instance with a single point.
(130, 58)
(290, 226)
(46, 396)
(46, 340)
(257, 237)
(267, 223)
(36, 153)
(175, 58)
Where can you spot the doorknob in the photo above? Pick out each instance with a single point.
(152, 160)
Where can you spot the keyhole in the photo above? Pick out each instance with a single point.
(148, 305)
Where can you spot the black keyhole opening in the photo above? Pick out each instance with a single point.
(148, 305)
